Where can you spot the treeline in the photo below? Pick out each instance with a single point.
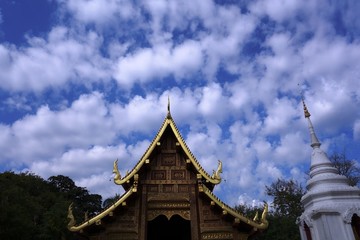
(34, 208)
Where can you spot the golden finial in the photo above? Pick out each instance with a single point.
(306, 111)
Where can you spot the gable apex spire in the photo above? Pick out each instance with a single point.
(168, 108)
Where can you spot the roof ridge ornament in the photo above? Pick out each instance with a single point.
(116, 171)
(168, 108)
(216, 174)
(306, 111)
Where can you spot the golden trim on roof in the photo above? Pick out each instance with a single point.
(214, 179)
(263, 224)
(97, 218)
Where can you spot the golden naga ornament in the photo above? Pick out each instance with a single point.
(70, 216)
(116, 171)
(216, 174)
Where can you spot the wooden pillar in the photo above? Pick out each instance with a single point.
(194, 214)
(143, 214)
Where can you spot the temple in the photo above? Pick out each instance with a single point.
(168, 195)
(331, 205)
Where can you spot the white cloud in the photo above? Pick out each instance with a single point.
(213, 102)
(332, 103)
(82, 162)
(52, 62)
(333, 59)
(101, 183)
(278, 10)
(292, 150)
(280, 115)
(82, 125)
(159, 62)
(130, 118)
(356, 132)
(100, 11)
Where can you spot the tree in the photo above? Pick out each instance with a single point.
(84, 202)
(346, 167)
(30, 210)
(285, 209)
(33, 208)
(287, 196)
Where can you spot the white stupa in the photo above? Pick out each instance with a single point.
(331, 205)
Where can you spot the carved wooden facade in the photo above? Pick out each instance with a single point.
(168, 195)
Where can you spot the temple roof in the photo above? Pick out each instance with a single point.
(205, 184)
(215, 201)
(214, 179)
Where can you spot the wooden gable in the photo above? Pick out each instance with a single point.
(168, 195)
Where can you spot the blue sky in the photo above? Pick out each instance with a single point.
(84, 82)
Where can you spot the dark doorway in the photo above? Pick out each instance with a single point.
(307, 232)
(355, 224)
(176, 228)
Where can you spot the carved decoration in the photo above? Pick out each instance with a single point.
(347, 216)
(152, 214)
(162, 197)
(122, 236)
(183, 188)
(178, 174)
(168, 182)
(169, 205)
(221, 235)
(153, 188)
(168, 160)
(168, 188)
(158, 175)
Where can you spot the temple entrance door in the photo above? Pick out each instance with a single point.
(176, 228)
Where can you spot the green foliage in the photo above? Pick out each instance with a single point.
(33, 208)
(346, 167)
(29, 209)
(83, 201)
(287, 196)
(283, 213)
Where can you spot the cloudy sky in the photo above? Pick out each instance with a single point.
(84, 82)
